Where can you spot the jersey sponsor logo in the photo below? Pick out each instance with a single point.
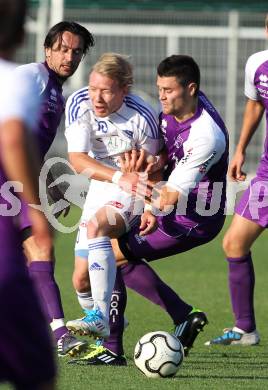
(102, 126)
(114, 203)
(263, 80)
(203, 167)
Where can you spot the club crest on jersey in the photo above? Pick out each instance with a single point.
(53, 94)
(102, 126)
(114, 203)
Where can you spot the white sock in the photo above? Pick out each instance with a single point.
(102, 272)
(85, 300)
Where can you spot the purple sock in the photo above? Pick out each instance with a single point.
(241, 285)
(42, 273)
(117, 309)
(140, 277)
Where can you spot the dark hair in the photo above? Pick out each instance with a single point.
(12, 19)
(56, 31)
(183, 67)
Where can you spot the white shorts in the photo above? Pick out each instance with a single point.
(102, 194)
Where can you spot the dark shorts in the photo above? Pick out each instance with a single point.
(26, 355)
(163, 243)
(253, 204)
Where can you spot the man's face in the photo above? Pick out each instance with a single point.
(65, 55)
(175, 99)
(106, 94)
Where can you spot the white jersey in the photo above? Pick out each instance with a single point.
(18, 95)
(134, 125)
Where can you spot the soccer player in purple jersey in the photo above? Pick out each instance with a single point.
(26, 355)
(196, 143)
(65, 45)
(251, 214)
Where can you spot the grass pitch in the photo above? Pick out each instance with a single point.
(199, 277)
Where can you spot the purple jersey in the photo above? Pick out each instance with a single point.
(52, 108)
(52, 103)
(253, 203)
(198, 158)
(256, 88)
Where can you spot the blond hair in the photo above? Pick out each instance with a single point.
(266, 21)
(116, 66)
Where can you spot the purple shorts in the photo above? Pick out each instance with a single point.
(162, 243)
(253, 204)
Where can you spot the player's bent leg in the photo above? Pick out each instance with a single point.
(237, 243)
(41, 269)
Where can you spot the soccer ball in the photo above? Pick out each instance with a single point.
(158, 354)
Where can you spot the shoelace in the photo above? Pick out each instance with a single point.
(96, 350)
(92, 315)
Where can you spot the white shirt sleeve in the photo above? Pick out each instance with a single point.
(20, 98)
(250, 89)
(200, 154)
(77, 125)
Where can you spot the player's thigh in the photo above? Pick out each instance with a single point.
(240, 236)
(119, 256)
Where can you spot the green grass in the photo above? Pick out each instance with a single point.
(200, 277)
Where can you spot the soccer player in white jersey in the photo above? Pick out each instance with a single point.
(102, 123)
(251, 214)
(26, 355)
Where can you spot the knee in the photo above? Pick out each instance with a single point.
(97, 229)
(233, 246)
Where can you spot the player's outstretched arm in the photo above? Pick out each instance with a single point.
(252, 116)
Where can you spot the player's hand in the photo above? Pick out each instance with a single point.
(155, 163)
(136, 183)
(148, 223)
(132, 161)
(235, 168)
(40, 228)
